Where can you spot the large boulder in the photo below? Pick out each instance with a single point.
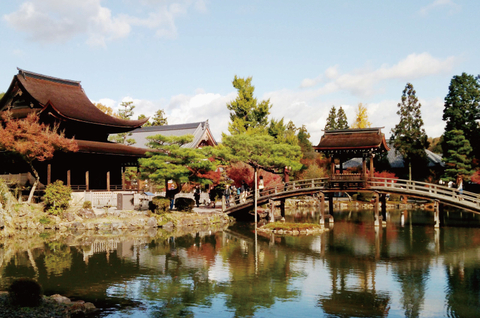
(86, 213)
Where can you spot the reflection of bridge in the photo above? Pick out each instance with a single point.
(325, 187)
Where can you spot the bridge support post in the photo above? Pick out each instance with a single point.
(383, 200)
(437, 214)
(330, 209)
(376, 215)
(282, 208)
(321, 199)
(272, 211)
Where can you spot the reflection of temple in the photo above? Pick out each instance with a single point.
(360, 299)
(123, 248)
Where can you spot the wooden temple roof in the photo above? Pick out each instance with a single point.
(109, 148)
(353, 141)
(63, 99)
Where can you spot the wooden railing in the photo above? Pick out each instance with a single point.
(431, 191)
(428, 190)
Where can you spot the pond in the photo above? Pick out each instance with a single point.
(404, 269)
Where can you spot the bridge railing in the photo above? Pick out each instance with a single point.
(290, 186)
(428, 189)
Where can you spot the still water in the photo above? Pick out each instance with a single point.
(405, 269)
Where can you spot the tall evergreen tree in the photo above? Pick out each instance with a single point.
(462, 110)
(342, 122)
(124, 113)
(331, 119)
(245, 112)
(408, 136)
(458, 162)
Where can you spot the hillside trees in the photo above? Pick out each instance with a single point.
(408, 136)
(246, 113)
(32, 141)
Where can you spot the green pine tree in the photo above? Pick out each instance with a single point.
(462, 110)
(125, 113)
(342, 122)
(458, 162)
(331, 119)
(245, 112)
(408, 136)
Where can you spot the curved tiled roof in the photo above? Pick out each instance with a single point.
(109, 148)
(69, 100)
(199, 130)
(354, 140)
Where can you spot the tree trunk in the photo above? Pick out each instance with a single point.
(34, 186)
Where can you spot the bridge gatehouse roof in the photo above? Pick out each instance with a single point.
(353, 142)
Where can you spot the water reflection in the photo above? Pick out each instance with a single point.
(353, 270)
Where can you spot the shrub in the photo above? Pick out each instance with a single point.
(159, 205)
(25, 292)
(87, 205)
(395, 197)
(45, 220)
(365, 196)
(57, 197)
(184, 204)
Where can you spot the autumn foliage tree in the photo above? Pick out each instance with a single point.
(361, 121)
(33, 141)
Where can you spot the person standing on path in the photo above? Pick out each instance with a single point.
(196, 195)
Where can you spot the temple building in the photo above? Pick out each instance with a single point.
(343, 145)
(202, 136)
(98, 164)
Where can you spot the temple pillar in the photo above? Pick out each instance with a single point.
(69, 178)
(87, 181)
(123, 178)
(364, 166)
(372, 169)
(49, 174)
(108, 180)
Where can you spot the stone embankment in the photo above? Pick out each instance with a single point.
(110, 220)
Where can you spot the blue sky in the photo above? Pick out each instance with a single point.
(182, 55)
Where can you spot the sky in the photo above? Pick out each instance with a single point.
(305, 56)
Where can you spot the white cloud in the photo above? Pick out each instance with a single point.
(363, 82)
(439, 4)
(51, 21)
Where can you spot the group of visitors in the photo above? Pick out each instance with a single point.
(451, 184)
(235, 194)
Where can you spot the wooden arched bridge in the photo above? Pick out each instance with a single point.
(321, 187)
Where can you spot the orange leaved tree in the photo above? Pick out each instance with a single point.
(32, 140)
